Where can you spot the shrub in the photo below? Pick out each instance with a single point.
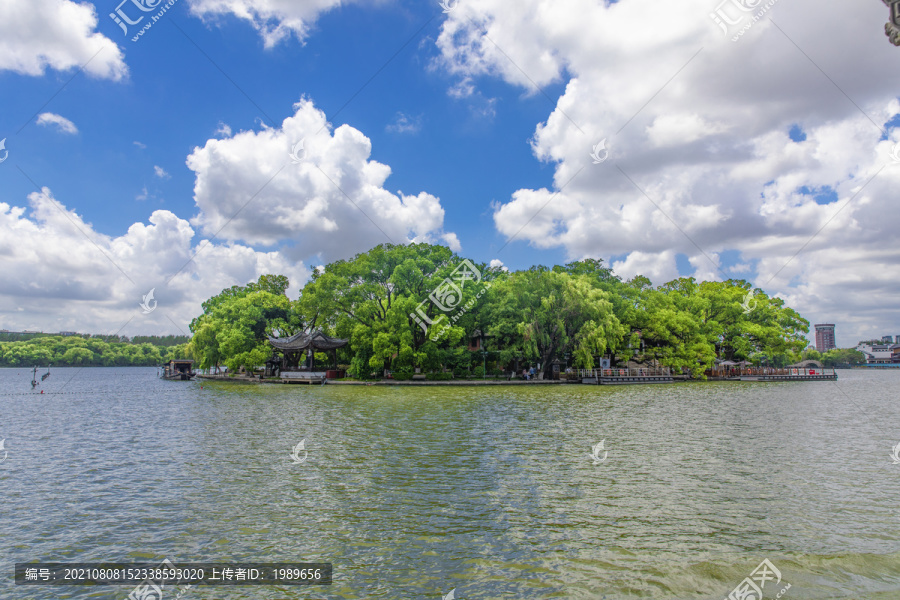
(439, 376)
(478, 371)
(402, 375)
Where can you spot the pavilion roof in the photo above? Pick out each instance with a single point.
(308, 339)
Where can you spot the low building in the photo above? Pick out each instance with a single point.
(879, 354)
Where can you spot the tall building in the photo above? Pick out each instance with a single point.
(888, 339)
(825, 337)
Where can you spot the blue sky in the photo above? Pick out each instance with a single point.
(767, 156)
(175, 99)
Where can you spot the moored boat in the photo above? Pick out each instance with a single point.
(178, 370)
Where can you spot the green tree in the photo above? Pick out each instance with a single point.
(843, 356)
(370, 299)
(542, 315)
(78, 356)
(236, 323)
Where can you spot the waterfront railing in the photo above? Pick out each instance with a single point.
(639, 372)
(761, 371)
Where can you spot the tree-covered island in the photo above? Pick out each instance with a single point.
(418, 306)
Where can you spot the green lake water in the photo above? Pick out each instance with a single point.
(491, 491)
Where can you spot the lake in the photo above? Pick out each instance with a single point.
(491, 492)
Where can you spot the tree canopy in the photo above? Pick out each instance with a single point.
(235, 323)
(417, 306)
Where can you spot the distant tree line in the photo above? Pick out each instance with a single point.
(836, 356)
(90, 350)
(392, 304)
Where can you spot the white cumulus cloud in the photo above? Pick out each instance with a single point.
(276, 20)
(62, 275)
(332, 203)
(57, 34)
(701, 163)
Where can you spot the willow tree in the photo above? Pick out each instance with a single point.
(380, 300)
(542, 315)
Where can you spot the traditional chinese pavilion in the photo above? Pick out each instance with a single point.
(310, 342)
